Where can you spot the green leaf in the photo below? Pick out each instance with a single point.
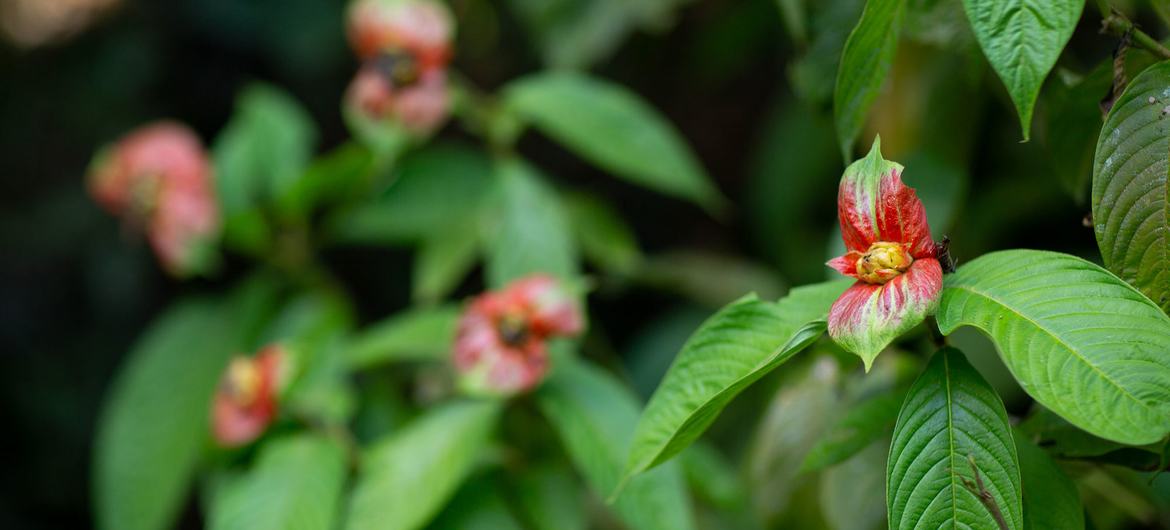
(443, 260)
(477, 506)
(1022, 40)
(437, 187)
(574, 34)
(614, 128)
(712, 477)
(605, 238)
(1050, 498)
(952, 434)
(407, 477)
(295, 484)
(551, 498)
(1131, 200)
(416, 335)
(731, 350)
(849, 489)
(340, 174)
(595, 415)
(1074, 120)
(1079, 340)
(264, 150)
(156, 418)
(864, 423)
(866, 60)
(533, 233)
(689, 273)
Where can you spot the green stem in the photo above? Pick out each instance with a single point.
(1117, 24)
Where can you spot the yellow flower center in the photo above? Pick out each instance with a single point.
(243, 381)
(883, 262)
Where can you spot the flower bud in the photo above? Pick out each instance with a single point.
(420, 107)
(422, 28)
(552, 310)
(158, 178)
(246, 401)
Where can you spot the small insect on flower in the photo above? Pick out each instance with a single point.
(501, 344)
(889, 251)
(246, 401)
(159, 180)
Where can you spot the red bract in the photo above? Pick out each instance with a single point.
(420, 106)
(889, 251)
(159, 179)
(501, 345)
(246, 401)
(422, 28)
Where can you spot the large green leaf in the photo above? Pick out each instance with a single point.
(858, 428)
(443, 260)
(156, 419)
(731, 350)
(1079, 340)
(951, 445)
(595, 415)
(1050, 498)
(533, 234)
(1022, 40)
(295, 484)
(409, 475)
(1131, 200)
(615, 129)
(416, 335)
(866, 60)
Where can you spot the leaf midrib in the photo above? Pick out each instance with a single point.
(1060, 341)
(951, 437)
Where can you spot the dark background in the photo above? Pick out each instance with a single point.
(75, 289)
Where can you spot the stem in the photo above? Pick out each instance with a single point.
(1117, 24)
(984, 496)
(936, 335)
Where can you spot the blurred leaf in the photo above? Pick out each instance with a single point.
(437, 187)
(865, 62)
(797, 416)
(938, 22)
(709, 278)
(1050, 498)
(605, 238)
(407, 477)
(1022, 40)
(732, 350)
(443, 260)
(794, 175)
(156, 418)
(653, 348)
(849, 490)
(1061, 439)
(533, 233)
(712, 477)
(313, 326)
(477, 506)
(387, 139)
(295, 484)
(595, 416)
(1074, 120)
(416, 335)
(614, 128)
(1131, 198)
(858, 428)
(1066, 354)
(814, 72)
(551, 499)
(792, 13)
(264, 150)
(335, 176)
(952, 427)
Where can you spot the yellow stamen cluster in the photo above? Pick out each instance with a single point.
(883, 262)
(243, 381)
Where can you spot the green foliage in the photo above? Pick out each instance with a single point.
(1050, 498)
(1022, 40)
(595, 417)
(857, 429)
(407, 477)
(849, 489)
(532, 234)
(606, 239)
(614, 128)
(443, 260)
(551, 498)
(866, 60)
(415, 335)
(730, 351)
(1131, 199)
(1074, 120)
(295, 484)
(952, 444)
(1080, 341)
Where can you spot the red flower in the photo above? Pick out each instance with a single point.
(500, 348)
(159, 178)
(421, 28)
(420, 105)
(889, 251)
(246, 401)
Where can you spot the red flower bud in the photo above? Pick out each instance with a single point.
(500, 348)
(246, 401)
(159, 178)
(422, 28)
(420, 107)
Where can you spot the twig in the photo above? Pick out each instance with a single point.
(1115, 23)
(983, 495)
